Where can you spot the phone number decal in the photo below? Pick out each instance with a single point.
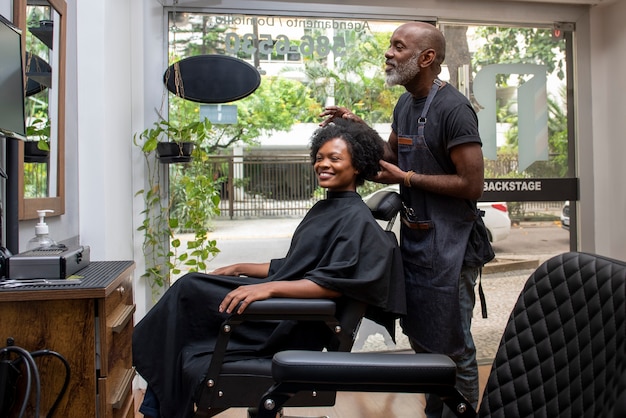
(281, 45)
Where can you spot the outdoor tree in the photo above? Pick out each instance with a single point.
(357, 79)
(457, 51)
(506, 45)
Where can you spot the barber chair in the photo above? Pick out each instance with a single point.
(563, 353)
(243, 383)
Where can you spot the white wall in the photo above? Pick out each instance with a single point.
(608, 60)
(104, 125)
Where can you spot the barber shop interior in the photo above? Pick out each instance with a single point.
(288, 208)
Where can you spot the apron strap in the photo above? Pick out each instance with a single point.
(481, 294)
(431, 95)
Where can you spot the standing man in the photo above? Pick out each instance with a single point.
(434, 153)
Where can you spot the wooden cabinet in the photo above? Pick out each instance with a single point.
(90, 324)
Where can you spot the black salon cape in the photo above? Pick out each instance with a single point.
(337, 245)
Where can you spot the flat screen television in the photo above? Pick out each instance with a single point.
(12, 114)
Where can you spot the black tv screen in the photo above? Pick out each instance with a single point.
(12, 120)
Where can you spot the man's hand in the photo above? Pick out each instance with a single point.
(333, 112)
(389, 174)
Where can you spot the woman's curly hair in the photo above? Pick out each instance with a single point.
(366, 147)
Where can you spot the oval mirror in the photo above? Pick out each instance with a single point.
(212, 79)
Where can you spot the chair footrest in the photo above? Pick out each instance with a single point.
(369, 370)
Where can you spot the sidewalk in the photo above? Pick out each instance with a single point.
(235, 229)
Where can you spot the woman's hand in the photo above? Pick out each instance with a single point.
(260, 270)
(245, 295)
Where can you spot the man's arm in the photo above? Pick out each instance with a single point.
(467, 183)
(333, 112)
(391, 149)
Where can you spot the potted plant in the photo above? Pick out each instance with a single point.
(173, 142)
(37, 147)
(167, 255)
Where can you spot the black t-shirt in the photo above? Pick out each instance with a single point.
(451, 121)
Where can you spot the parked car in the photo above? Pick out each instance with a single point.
(565, 216)
(496, 217)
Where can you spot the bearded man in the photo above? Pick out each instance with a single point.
(434, 153)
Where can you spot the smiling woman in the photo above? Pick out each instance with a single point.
(338, 251)
(345, 149)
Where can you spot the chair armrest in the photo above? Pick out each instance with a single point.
(296, 371)
(322, 310)
(288, 308)
(365, 371)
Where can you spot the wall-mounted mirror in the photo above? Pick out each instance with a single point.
(41, 182)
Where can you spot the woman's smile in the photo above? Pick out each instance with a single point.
(333, 166)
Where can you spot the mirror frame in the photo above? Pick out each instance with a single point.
(27, 208)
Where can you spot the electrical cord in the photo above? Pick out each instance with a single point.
(32, 370)
(67, 376)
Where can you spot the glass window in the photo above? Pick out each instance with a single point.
(516, 79)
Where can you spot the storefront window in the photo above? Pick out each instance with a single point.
(515, 77)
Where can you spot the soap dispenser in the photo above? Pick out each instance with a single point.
(41, 240)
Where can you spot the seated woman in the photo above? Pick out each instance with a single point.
(337, 251)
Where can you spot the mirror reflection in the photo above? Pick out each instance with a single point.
(40, 92)
(43, 30)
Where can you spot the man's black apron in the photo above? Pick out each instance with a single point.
(434, 233)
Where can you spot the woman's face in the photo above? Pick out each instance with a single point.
(333, 166)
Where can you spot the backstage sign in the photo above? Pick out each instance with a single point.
(529, 190)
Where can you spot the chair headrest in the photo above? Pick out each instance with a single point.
(385, 204)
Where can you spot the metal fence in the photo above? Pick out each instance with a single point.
(265, 185)
(284, 185)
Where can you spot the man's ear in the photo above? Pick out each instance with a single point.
(428, 57)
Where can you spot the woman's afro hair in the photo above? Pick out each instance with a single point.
(366, 147)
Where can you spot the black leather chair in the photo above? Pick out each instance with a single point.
(243, 383)
(563, 353)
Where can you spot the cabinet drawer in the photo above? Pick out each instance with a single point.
(116, 329)
(116, 394)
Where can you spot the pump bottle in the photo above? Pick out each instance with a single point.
(42, 239)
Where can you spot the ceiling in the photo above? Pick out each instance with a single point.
(590, 2)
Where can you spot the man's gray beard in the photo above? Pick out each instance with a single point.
(403, 73)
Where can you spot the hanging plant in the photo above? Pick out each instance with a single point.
(173, 143)
(166, 255)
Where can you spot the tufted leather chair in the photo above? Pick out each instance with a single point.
(563, 352)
